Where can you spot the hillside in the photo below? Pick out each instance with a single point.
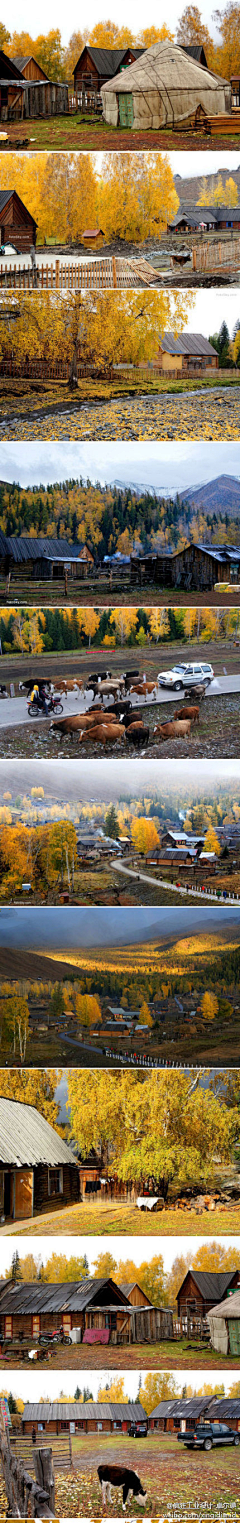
(219, 496)
(189, 187)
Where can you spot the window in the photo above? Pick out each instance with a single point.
(55, 1181)
(35, 1326)
(8, 1327)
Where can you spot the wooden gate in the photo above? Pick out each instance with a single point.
(125, 109)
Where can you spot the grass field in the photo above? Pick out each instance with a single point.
(172, 1477)
(71, 132)
(175, 1355)
(110, 1219)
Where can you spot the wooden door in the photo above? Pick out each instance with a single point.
(23, 1193)
(125, 110)
(35, 1325)
(8, 1327)
(67, 1322)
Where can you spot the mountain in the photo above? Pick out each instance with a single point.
(188, 188)
(222, 495)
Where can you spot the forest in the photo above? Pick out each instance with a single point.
(110, 519)
(133, 198)
(223, 56)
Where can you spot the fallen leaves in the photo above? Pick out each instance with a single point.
(189, 415)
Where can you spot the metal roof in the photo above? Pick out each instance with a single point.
(46, 1411)
(25, 549)
(181, 1408)
(210, 1284)
(3, 543)
(27, 1138)
(186, 343)
(42, 1296)
(108, 60)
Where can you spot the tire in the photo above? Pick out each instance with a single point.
(208, 1443)
(236, 1441)
(178, 686)
(34, 711)
(67, 1340)
(58, 708)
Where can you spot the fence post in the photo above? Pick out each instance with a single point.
(114, 271)
(57, 274)
(44, 1472)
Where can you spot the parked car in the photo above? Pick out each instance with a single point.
(206, 1435)
(185, 674)
(138, 1430)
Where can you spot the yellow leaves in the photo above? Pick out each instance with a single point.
(136, 195)
(90, 621)
(125, 621)
(144, 835)
(158, 619)
(209, 1006)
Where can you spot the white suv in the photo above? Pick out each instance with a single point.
(186, 674)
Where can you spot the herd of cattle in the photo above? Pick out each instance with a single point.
(108, 716)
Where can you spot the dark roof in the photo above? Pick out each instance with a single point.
(197, 51)
(108, 60)
(199, 214)
(181, 1408)
(44, 1411)
(27, 1138)
(3, 543)
(21, 63)
(8, 69)
(44, 548)
(6, 196)
(224, 1408)
(40, 1296)
(212, 1286)
(186, 343)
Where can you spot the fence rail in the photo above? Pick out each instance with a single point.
(216, 256)
(105, 273)
(30, 1492)
(61, 1447)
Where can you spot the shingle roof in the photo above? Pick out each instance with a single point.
(186, 343)
(27, 1138)
(108, 60)
(44, 1411)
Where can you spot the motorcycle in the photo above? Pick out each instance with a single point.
(56, 1337)
(35, 708)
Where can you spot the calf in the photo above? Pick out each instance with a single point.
(137, 735)
(120, 1475)
(173, 729)
(188, 713)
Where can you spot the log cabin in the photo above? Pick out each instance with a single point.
(185, 354)
(29, 68)
(173, 1416)
(96, 65)
(94, 1307)
(199, 566)
(200, 1290)
(135, 1294)
(76, 1416)
(43, 557)
(22, 97)
(17, 226)
(36, 1166)
(10, 79)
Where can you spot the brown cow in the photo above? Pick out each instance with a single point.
(172, 730)
(73, 722)
(102, 733)
(188, 713)
(144, 688)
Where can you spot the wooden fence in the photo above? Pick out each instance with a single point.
(30, 1492)
(61, 1448)
(216, 256)
(105, 273)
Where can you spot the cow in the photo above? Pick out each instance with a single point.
(144, 689)
(188, 713)
(120, 1475)
(137, 735)
(73, 722)
(128, 719)
(102, 733)
(67, 685)
(99, 676)
(172, 730)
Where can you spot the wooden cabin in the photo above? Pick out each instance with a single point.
(95, 1307)
(29, 68)
(17, 226)
(200, 1290)
(43, 557)
(86, 1417)
(185, 354)
(10, 80)
(181, 1414)
(37, 1168)
(23, 96)
(96, 65)
(135, 1294)
(93, 238)
(195, 566)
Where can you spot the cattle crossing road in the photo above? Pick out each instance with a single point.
(165, 883)
(14, 711)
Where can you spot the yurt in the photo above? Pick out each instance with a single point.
(164, 88)
(224, 1323)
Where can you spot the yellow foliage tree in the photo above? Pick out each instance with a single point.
(113, 1392)
(145, 837)
(158, 619)
(87, 1009)
(90, 621)
(137, 196)
(125, 621)
(145, 1017)
(209, 1006)
(211, 842)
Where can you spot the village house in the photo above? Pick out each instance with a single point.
(201, 1290)
(86, 1417)
(22, 95)
(93, 1307)
(29, 68)
(95, 66)
(185, 354)
(43, 557)
(36, 1165)
(198, 566)
(17, 226)
(211, 218)
(179, 1415)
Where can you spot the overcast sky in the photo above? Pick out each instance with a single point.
(148, 464)
(72, 929)
(72, 780)
(21, 17)
(33, 1385)
(140, 1250)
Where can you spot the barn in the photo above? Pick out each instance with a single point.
(197, 566)
(164, 88)
(10, 80)
(22, 96)
(86, 1417)
(17, 226)
(224, 1323)
(95, 1307)
(36, 1165)
(201, 1290)
(95, 66)
(43, 557)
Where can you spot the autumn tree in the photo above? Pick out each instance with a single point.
(137, 196)
(157, 1386)
(113, 1392)
(145, 837)
(211, 842)
(105, 1266)
(14, 1020)
(145, 1017)
(158, 619)
(125, 622)
(90, 623)
(191, 29)
(59, 1267)
(209, 1006)
(35, 1087)
(88, 1010)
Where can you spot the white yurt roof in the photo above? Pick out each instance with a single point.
(228, 1308)
(165, 65)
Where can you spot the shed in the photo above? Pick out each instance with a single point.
(164, 88)
(224, 1323)
(186, 353)
(93, 238)
(201, 1290)
(30, 68)
(135, 1294)
(95, 1306)
(36, 1165)
(17, 225)
(45, 557)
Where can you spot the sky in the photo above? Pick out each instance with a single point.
(137, 1249)
(72, 780)
(72, 929)
(36, 1385)
(154, 465)
(21, 16)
